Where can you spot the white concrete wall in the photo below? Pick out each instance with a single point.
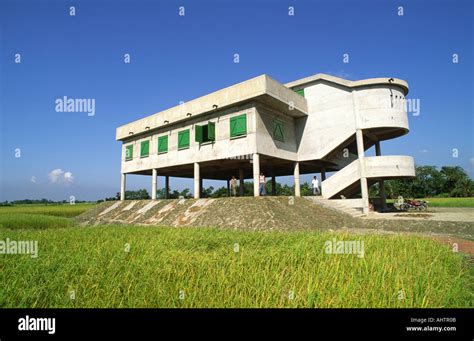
(266, 144)
(377, 108)
(223, 147)
(330, 121)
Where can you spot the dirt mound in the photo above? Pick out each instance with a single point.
(248, 213)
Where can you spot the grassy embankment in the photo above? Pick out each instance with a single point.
(117, 266)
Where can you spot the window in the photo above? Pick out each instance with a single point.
(300, 92)
(278, 132)
(145, 148)
(129, 152)
(163, 144)
(205, 133)
(183, 139)
(238, 126)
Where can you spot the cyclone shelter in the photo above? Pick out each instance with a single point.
(318, 124)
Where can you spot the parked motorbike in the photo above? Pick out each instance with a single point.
(420, 205)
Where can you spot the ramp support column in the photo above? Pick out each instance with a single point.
(256, 174)
(154, 174)
(122, 186)
(197, 181)
(363, 180)
(297, 179)
(383, 199)
(273, 185)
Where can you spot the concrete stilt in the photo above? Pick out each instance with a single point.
(383, 199)
(197, 181)
(363, 180)
(122, 186)
(154, 173)
(256, 174)
(241, 182)
(297, 179)
(273, 185)
(167, 187)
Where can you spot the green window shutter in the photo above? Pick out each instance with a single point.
(144, 148)
(278, 130)
(211, 131)
(129, 153)
(233, 126)
(300, 92)
(183, 139)
(238, 125)
(162, 144)
(198, 134)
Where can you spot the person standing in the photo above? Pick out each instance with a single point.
(315, 184)
(262, 181)
(233, 186)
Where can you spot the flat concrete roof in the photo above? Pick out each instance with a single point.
(261, 89)
(348, 83)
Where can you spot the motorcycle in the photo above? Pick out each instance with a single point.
(420, 205)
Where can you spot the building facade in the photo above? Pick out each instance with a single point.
(318, 124)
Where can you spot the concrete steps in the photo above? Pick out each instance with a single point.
(339, 205)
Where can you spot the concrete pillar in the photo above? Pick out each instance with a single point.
(153, 183)
(241, 182)
(197, 181)
(297, 179)
(377, 148)
(274, 189)
(167, 187)
(383, 199)
(122, 186)
(256, 174)
(228, 188)
(363, 180)
(323, 174)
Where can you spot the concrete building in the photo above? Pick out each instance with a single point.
(317, 124)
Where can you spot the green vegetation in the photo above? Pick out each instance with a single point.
(59, 210)
(137, 266)
(431, 182)
(33, 221)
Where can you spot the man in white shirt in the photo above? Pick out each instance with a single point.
(315, 184)
(262, 181)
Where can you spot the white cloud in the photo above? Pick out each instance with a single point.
(68, 177)
(59, 176)
(33, 179)
(471, 160)
(424, 151)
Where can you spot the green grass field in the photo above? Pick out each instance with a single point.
(133, 266)
(60, 210)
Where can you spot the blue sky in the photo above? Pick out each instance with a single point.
(177, 58)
